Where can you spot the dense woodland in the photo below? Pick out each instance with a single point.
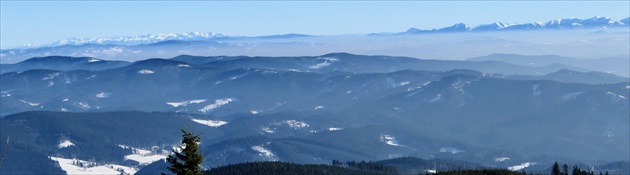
(282, 168)
(369, 168)
(481, 172)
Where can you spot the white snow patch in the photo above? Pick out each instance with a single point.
(254, 112)
(413, 93)
(211, 123)
(416, 89)
(185, 103)
(91, 60)
(451, 150)
(436, 98)
(183, 65)
(65, 143)
(335, 129)
(389, 139)
(143, 156)
(521, 166)
(239, 76)
(77, 166)
(269, 130)
(51, 76)
(616, 97)
(294, 70)
(145, 71)
(145, 159)
(83, 105)
(93, 76)
(535, 91)
(327, 62)
(628, 87)
(264, 152)
(103, 95)
(30, 103)
(319, 107)
(403, 83)
(501, 159)
(216, 104)
(65, 99)
(296, 124)
(459, 85)
(431, 171)
(6, 93)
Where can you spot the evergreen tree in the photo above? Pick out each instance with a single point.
(565, 169)
(556, 169)
(188, 160)
(576, 170)
(336, 163)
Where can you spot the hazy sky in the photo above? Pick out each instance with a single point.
(41, 22)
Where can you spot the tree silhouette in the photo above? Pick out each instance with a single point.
(188, 160)
(556, 169)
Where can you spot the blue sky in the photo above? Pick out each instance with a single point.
(41, 22)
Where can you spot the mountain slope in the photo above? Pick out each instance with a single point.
(113, 137)
(62, 63)
(614, 65)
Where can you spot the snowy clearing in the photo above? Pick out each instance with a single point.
(30, 103)
(296, 124)
(389, 139)
(326, 63)
(217, 103)
(185, 103)
(211, 123)
(65, 143)
(264, 152)
(145, 71)
(501, 159)
(76, 166)
(103, 95)
(521, 166)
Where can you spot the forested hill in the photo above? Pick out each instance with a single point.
(338, 168)
(282, 168)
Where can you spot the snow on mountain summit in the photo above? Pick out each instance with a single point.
(133, 40)
(567, 23)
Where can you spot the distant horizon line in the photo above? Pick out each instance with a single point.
(208, 35)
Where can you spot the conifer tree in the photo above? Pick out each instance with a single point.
(188, 161)
(556, 169)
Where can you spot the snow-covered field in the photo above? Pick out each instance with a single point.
(79, 167)
(65, 143)
(264, 152)
(217, 103)
(143, 156)
(521, 166)
(211, 123)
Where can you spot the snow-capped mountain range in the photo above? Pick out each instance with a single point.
(134, 40)
(569, 23)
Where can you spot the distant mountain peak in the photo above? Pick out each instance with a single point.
(133, 40)
(567, 23)
(457, 27)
